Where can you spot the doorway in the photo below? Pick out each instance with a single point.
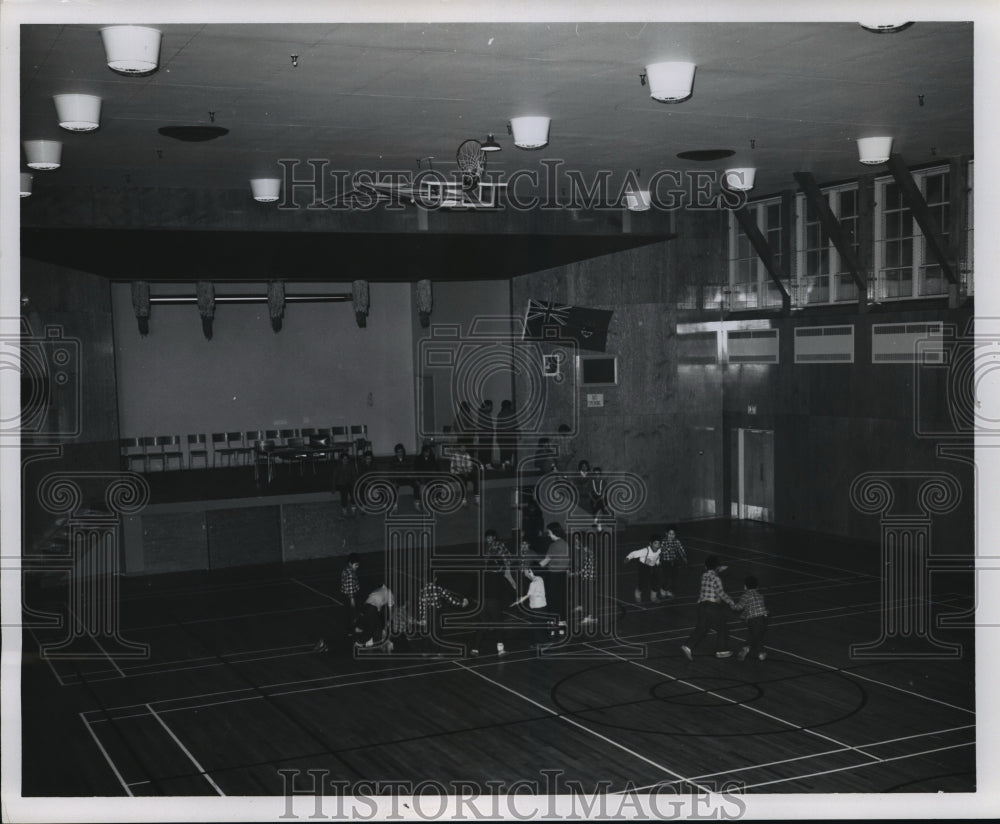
(753, 497)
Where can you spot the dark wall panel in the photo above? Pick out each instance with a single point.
(312, 530)
(173, 542)
(238, 537)
(834, 422)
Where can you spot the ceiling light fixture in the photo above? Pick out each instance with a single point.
(739, 180)
(669, 82)
(637, 200)
(43, 155)
(889, 27)
(874, 150)
(131, 49)
(265, 189)
(529, 132)
(78, 112)
(491, 144)
(26, 184)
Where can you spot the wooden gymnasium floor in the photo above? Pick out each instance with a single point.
(232, 692)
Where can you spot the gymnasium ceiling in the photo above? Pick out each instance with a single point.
(784, 97)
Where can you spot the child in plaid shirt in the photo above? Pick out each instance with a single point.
(751, 605)
(672, 555)
(349, 588)
(432, 597)
(464, 471)
(710, 612)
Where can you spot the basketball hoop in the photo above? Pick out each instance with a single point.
(471, 161)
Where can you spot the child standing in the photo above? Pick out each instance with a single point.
(673, 556)
(585, 579)
(535, 596)
(598, 500)
(751, 605)
(649, 568)
(350, 586)
(345, 475)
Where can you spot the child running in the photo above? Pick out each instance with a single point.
(710, 612)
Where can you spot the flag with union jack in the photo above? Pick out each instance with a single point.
(588, 327)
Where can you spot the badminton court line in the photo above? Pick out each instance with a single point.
(335, 681)
(97, 643)
(739, 704)
(854, 674)
(822, 754)
(220, 618)
(674, 634)
(578, 725)
(183, 664)
(664, 636)
(187, 752)
(858, 766)
(774, 555)
(203, 662)
(107, 757)
(46, 658)
(200, 591)
(429, 668)
(862, 608)
(313, 589)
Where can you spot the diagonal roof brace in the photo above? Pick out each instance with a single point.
(759, 243)
(807, 183)
(942, 253)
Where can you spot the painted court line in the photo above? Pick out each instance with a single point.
(871, 680)
(47, 660)
(783, 557)
(676, 632)
(170, 667)
(858, 766)
(197, 592)
(741, 705)
(822, 754)
(221, 618)
(583, 727)
(107, 757)
(313, 589)
(186, 751)
(97, 643)
(429, 667)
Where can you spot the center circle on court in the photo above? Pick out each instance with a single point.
(706, 691)
(786, 696)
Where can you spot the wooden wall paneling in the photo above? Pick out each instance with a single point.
(239, 537)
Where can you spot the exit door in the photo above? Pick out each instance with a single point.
(755, 474)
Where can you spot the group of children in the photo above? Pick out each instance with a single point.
(380, 621)
(712, 616)
(658, 562)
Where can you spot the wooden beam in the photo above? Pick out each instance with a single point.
(940, 251)
(235, 211)
(788, 233)
(815, 198)
(866, 236)
(958, 226)
(759, 243)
